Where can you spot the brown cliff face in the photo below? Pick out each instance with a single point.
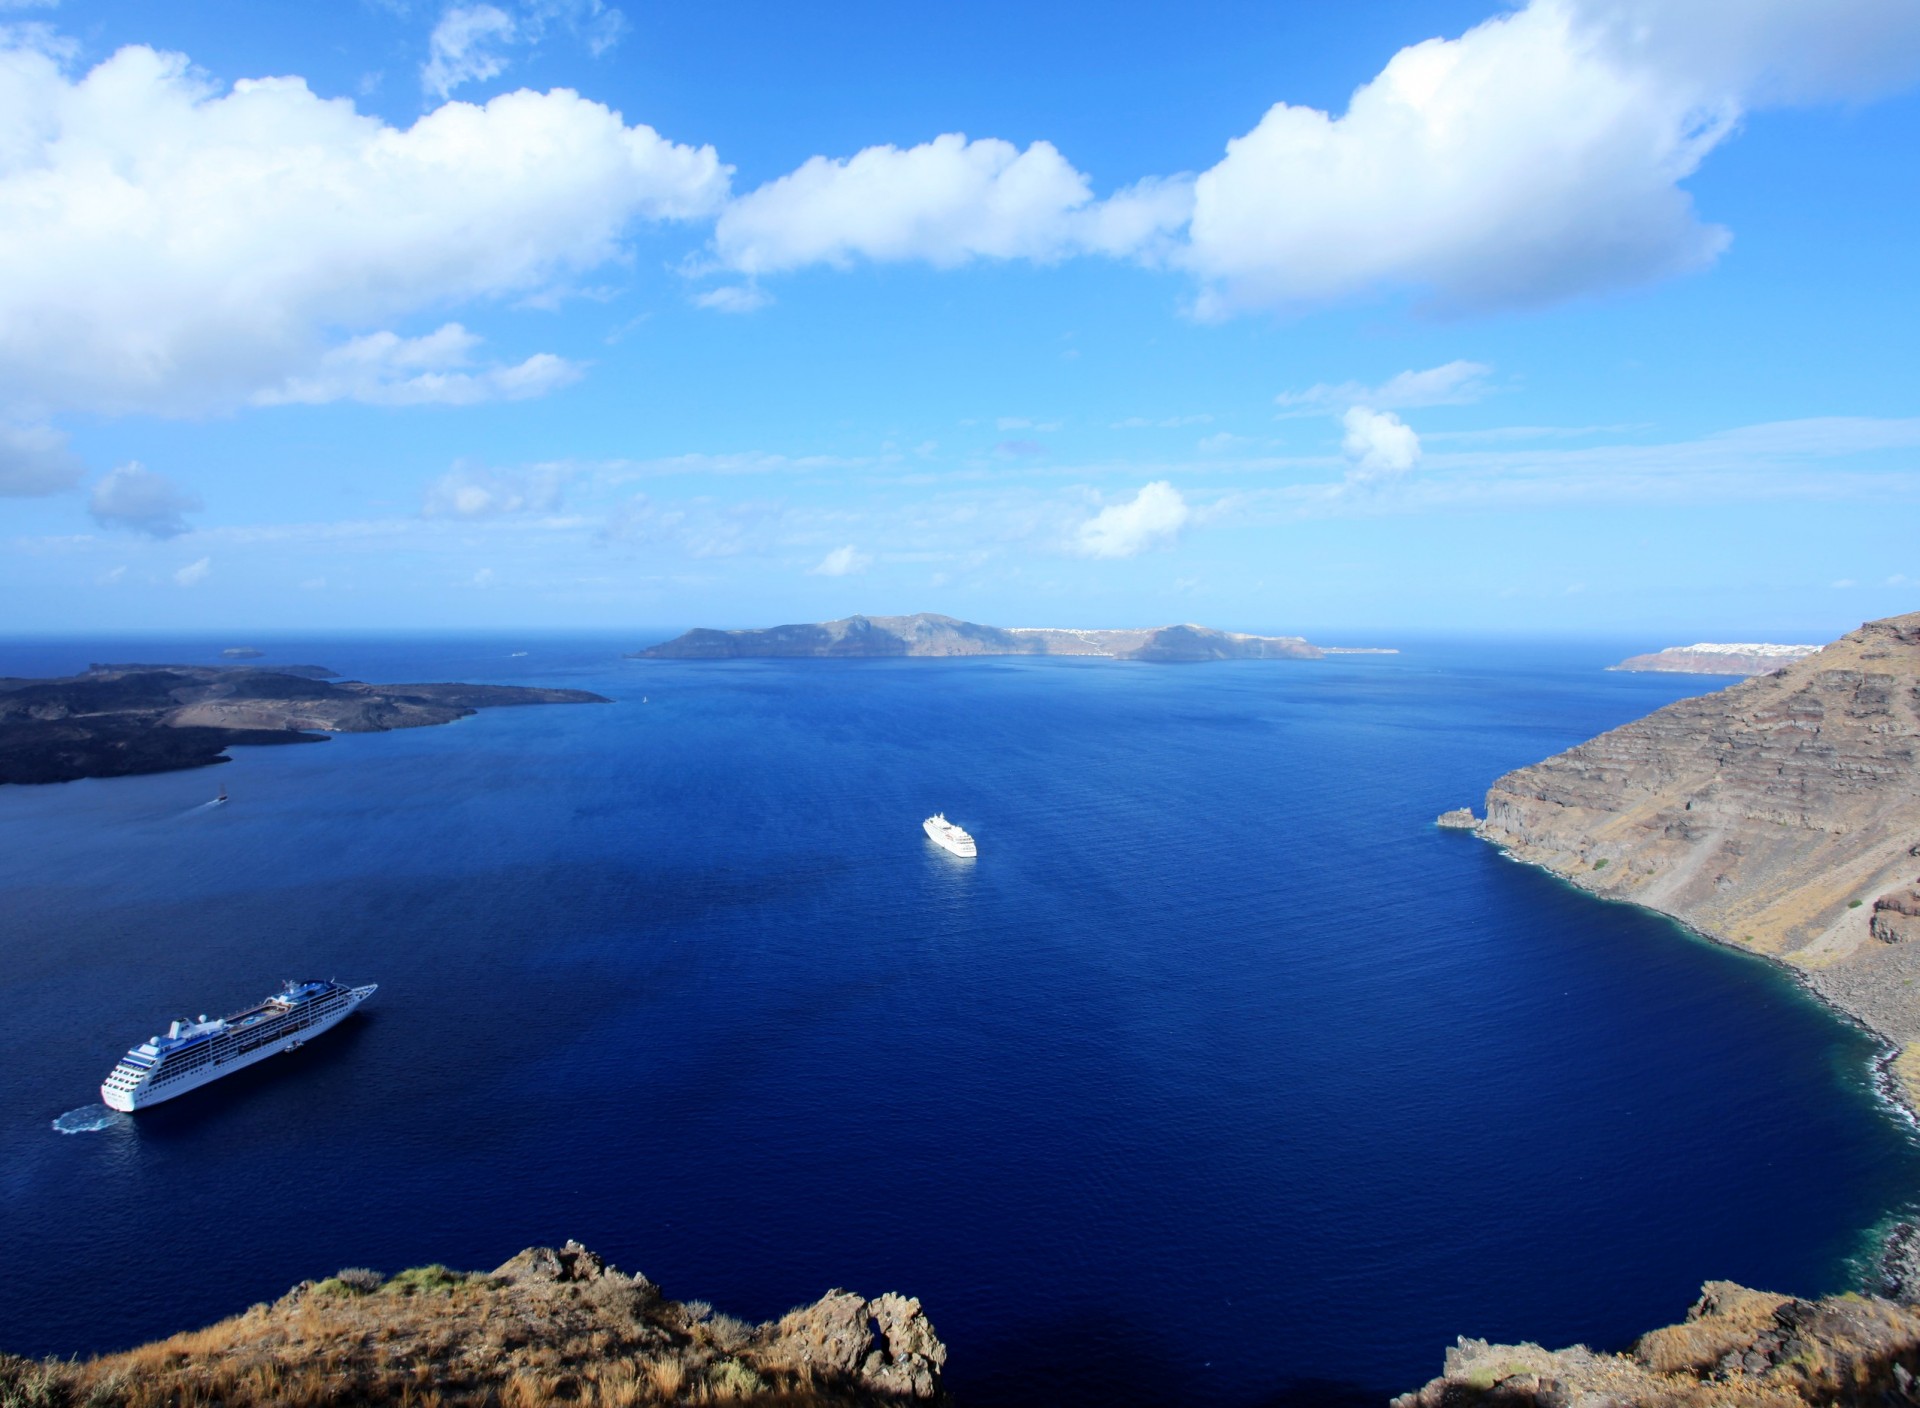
(1773, 815)
(548, 1327)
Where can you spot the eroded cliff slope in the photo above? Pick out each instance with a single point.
(547, 1327)
(1781, 815)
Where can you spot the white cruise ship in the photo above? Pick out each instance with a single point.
(945, 833)
(193, 1053)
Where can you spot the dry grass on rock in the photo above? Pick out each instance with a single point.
(548, 1327)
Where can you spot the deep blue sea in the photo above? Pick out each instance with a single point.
(1221, 1077)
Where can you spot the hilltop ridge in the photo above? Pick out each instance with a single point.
(927, 634)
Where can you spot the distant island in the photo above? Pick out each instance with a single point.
(242, 652)
(927, 634)
(121, 720)
(1707, 658)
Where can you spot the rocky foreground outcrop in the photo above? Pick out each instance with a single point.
(120, 720)
(929, 635)
(1737, 1348)
(548, 1327)
(1781, 815)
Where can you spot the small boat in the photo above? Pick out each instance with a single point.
(217, 801)
(945, 834)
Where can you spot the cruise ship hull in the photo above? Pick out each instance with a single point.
(158, 1086)
(949, 837)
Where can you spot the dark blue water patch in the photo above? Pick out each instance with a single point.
(1221, 1076)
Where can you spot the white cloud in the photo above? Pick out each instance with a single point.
(1537, 157)
(1220, 442)
(194, 573)
(466, 47)
(133, 496)
(1026, 423)
(944, 202)
(842, 562)
(1452, 384)
(385, 369)
(193, 247)
(470, 492)
(734, 298)
(34, 459)
(1151, 518)
(1378, 443)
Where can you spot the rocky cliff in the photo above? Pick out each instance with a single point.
(1736, 1349)
(118, 720)
(1781, 815)
(548, 1327)
(927, 634)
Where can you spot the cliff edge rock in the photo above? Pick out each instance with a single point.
(1737, 1348)
(1780, 815)
(551, 1326)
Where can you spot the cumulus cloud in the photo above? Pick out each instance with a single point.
(1453, 384)
(944, 202)
(34, 459)
(470, 492)
(133, 496)
(1377, 444)
(194, 573)
(385, 369)
(1534, 158)
(841, 562)
(194, 246)
(1151, 518)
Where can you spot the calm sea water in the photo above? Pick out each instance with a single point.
(1221, 1077)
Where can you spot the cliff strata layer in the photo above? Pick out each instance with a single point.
(1781, 815)
(548, 1327)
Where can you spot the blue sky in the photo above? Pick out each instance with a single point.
(1578, 316)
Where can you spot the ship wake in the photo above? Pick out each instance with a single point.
(90, 1118)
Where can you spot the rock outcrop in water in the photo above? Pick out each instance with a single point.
(548, 1327)
(1780, 815)
(926, 634)
(119, 720)
(1736, 1349)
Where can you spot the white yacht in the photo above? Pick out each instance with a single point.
(944, 833)
(193, 1053)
